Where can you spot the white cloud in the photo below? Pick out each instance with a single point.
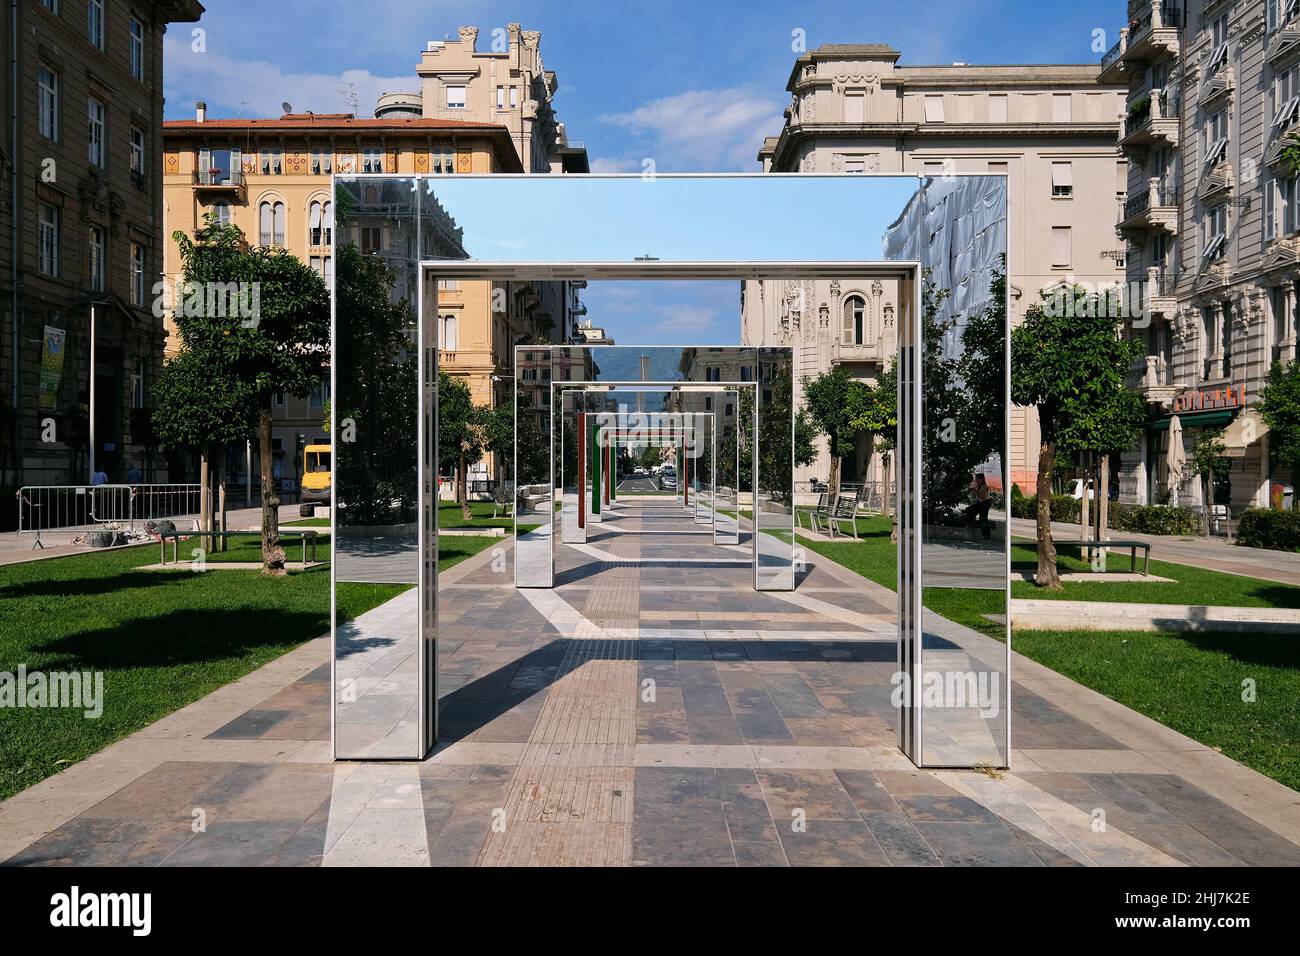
(609, 164)
(257, 87)
(702, 130)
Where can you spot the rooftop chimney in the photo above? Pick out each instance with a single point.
(200, 111)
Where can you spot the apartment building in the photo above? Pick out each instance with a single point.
(1050, 129)
(1212, 224)
(271, 178)
(505, 84)
(81, 235)
(478, 111)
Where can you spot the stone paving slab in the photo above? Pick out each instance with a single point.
(582, 726)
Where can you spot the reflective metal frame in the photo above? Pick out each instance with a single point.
(436, 248)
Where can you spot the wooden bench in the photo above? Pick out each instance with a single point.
(306, 536)
(1121, 543)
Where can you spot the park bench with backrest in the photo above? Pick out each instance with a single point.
(818, 510)
(835, 511)
(1129, 543)
(307, 536)
(503, 499)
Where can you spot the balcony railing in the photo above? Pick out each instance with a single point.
(1137, 119)
(271, 238)
(220, 177)
(1161, 192)
(1158, 15)
(1111, 55)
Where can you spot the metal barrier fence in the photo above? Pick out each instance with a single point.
(76, 507)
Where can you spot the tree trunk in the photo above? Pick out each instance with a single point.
(1103, 499)
(222, 469)
(462, 487)
(1085, 526)
(834, 478)
(1207, 485)
(1047, 576)
(205, 501)
(272, 553)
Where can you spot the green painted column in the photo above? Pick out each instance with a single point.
(596, 456)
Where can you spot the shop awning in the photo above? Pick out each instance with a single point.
(1213, 419)
(1245, 430)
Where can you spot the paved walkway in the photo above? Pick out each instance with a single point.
(647, 712)
(1215, 554)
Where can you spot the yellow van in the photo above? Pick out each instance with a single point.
(317, 474)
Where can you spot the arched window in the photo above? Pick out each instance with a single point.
(855, 320)
(270, 222)
(320, 222)
(449, 337)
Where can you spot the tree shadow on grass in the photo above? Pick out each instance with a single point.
(182, 637)
(87, 586)
(1267, 650)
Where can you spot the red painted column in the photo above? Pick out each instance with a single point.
(582, 469)
(686, 475)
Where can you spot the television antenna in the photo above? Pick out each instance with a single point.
(286, 107)
(349, 91)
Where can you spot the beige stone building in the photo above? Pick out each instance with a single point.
(1212, 221)
(81, 230)
(1049, 128)
(271, 178)
(476, 112)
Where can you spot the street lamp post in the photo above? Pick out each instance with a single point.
(91, 430)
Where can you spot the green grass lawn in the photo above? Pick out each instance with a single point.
(162, 639)
(1192, 683)
(307, 523)
(1190, 585)
(1189, 682)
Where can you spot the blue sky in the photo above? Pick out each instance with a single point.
(695, 86)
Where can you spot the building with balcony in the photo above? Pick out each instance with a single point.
(271, 178)
(1050, 129)
(81, 236)
(1211, 223)
(477, 112)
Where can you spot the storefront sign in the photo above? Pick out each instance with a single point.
(51, 367)
(1211, 398)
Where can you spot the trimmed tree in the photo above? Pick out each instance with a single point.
(828, 399)
(461, 435)
(874, 411)
(1279, 406)
(1070, 364)
(1206, 460)
(378, 394)
(278, 341)
(201, 405)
